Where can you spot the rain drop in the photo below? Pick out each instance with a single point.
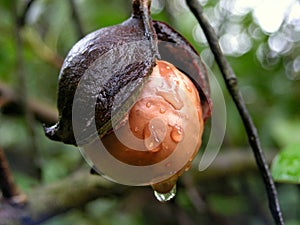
(187, 168)
(165, 146)
(177, 134)
(157, 131)
(173, 98)
(164, 197)
(187, 86)
(162, 110)
(149, 144)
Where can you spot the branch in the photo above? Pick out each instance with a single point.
(47, 201)
(76, 19)
(231, 163)
(8, 186)
(10, 104)
(41, 49)
(231, 83)
(80, 188)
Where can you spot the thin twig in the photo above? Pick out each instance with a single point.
(8, 187)
(194, 196)
(41, 49)
(10, 105)
(231, 83)
(76, 19)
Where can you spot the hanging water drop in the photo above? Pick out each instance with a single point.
(164, 197)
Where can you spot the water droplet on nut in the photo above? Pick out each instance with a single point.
(162, 110)
(154, 134)
(187, 86)
(177, 134)
(173, 98)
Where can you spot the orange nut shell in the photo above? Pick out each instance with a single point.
(164, 115)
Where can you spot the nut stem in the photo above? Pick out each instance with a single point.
(141, 9)
(140, 5)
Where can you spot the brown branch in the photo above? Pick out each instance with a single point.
(41, 49)
(47, 201)
(10, 104)
(232, 86)
(231, 163)
(76, 19)
(8, 187)
(79, 188)
(193, 194)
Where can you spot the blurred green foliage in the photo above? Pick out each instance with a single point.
(286, 165)
(267, 65)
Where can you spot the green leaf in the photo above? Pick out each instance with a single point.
(286, 165)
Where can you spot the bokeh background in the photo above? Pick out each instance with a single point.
(261, 40)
